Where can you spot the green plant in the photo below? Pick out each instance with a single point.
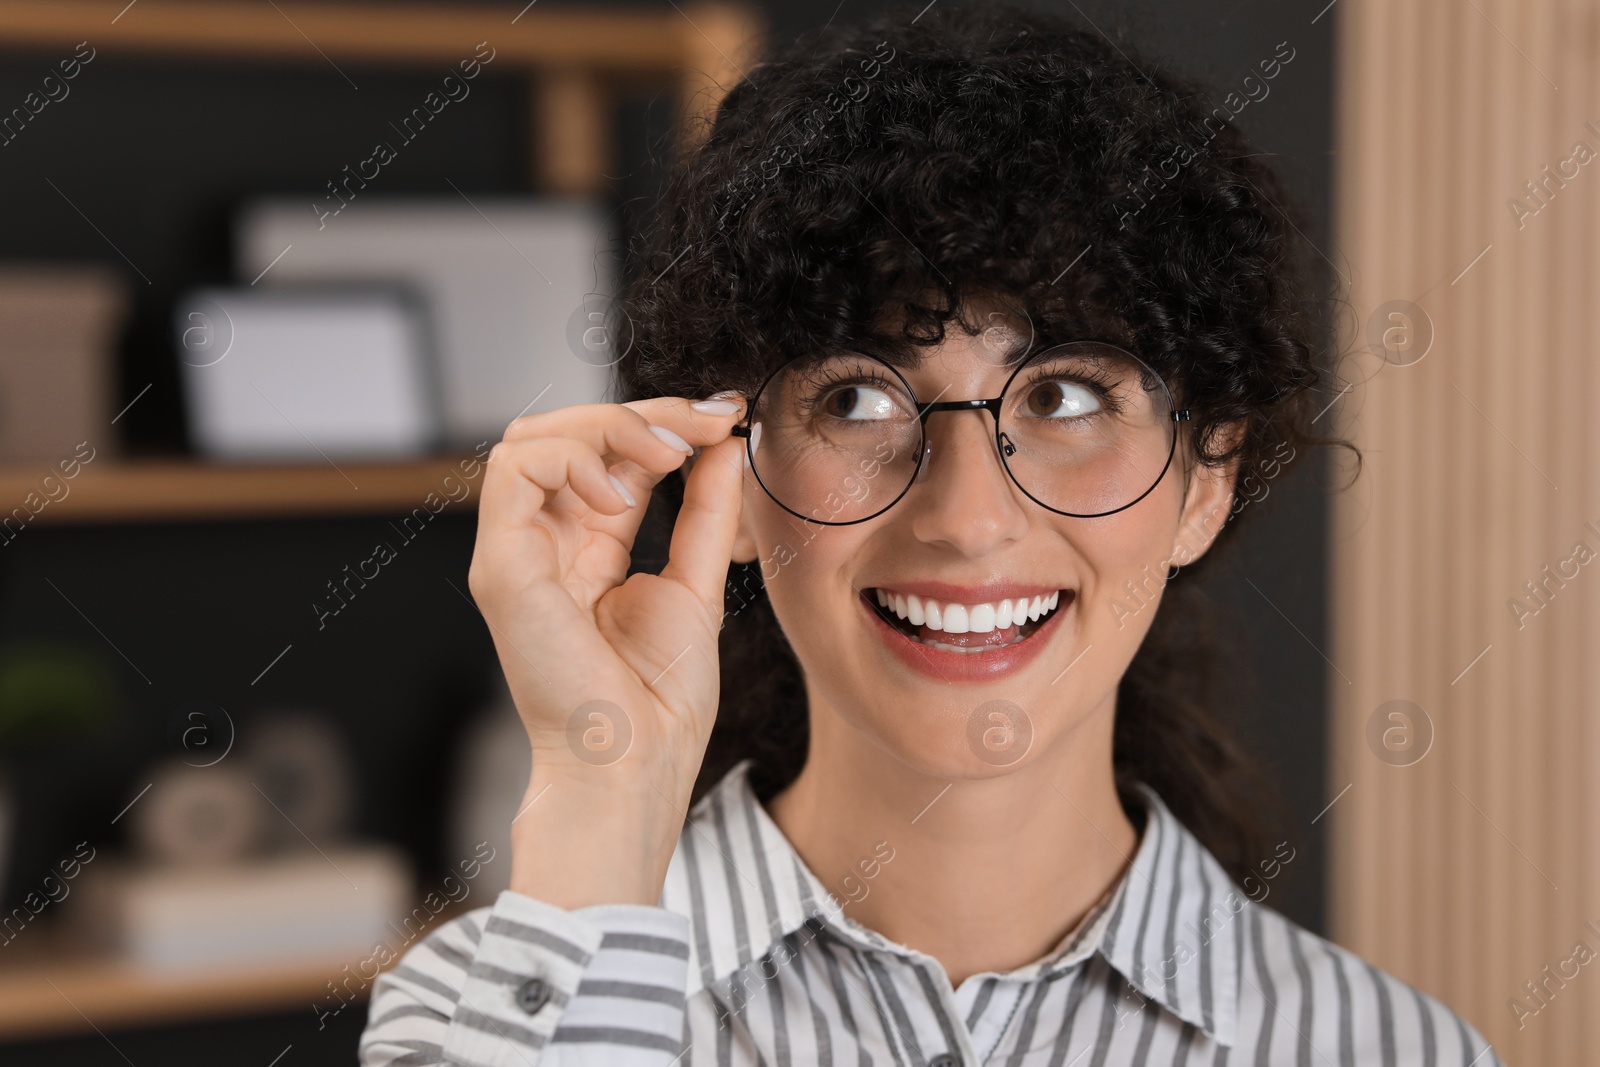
(51, 689)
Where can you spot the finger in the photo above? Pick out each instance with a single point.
(638, 484)
(699, 428)
(611, 430)
(708, 522)
(695, 427)
(522, 477)
(690, 424)
(630, 443)
(604, 426)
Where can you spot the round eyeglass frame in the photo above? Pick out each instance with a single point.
(992, 405)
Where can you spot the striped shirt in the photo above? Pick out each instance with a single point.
(750, 960)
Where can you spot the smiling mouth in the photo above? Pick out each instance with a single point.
(966, 629)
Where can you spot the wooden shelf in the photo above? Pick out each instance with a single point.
(52, 985)
(388, 33)
(700, 47)
(55, 991)
(166, 490)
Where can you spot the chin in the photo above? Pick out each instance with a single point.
(991, 739)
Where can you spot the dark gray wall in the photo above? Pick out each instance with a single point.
(1273, 591)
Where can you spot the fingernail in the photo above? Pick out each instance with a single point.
(622, 490)
(726, 394)
(715, 407)
(672, 439)
(746, 458)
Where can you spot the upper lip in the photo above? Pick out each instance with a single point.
(987, 592)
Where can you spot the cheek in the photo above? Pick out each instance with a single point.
(1126, 558)
(803, 565)
(1119, 545)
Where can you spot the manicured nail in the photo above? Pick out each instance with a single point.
(715, 407)
(672, 439)
(622, 490)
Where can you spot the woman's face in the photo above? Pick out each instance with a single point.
(964, 533)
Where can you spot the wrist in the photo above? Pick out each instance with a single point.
(586, 835)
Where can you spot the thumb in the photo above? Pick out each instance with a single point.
(708, 522)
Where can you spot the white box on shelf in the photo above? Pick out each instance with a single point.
(305, 374)
(512, 285)
(282, 909)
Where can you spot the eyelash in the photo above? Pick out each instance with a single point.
(822, 379)
(1097, 382)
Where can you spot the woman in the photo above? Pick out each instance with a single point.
(962, 794)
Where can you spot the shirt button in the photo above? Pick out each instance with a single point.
(945, 1059)
(533, 995)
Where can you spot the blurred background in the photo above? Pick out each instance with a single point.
(251, 724)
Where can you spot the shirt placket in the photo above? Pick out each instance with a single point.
(915, 996)
(989, 1005)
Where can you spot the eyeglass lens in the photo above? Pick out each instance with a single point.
(1084, 429)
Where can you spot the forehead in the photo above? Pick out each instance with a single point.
(980, 339)
(995, 353)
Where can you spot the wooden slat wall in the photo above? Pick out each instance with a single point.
(1469, 871)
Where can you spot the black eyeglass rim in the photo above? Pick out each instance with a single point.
(992, 405)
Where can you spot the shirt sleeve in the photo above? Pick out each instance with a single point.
(528, 984)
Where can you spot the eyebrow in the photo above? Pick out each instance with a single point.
(914, 356)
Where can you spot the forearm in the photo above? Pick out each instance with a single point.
(587, 835)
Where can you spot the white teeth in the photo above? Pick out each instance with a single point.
(967, 618)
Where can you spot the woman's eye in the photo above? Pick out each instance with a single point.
(1062, 400)
(860, 402)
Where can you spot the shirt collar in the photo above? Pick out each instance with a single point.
(1164, 927)
(1174, 930)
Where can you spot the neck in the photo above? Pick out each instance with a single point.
(981, 874)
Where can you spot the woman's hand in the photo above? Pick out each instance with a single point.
(615, 677)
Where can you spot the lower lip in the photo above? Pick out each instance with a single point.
(963, 666)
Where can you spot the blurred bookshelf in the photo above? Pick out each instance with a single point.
(574, 67)
(165, 490)
(50, 987)
(574, 58)
(49, 980)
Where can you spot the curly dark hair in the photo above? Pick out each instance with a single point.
(907, 172)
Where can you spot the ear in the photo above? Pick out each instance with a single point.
(1208, 501)
(745, 548)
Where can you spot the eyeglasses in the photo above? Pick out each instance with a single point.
(1084, 429)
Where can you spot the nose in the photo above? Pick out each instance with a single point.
(963, 498)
